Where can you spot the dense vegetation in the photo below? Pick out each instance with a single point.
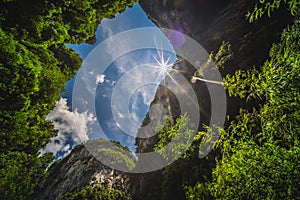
(34, 66)
(260, 150)
(95, 193)
(258, 154)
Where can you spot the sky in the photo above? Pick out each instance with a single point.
(122, 78)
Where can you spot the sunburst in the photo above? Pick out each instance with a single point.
(163, 67)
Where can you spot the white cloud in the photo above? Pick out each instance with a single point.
(100, 78)
(106, 30)
(72, 127)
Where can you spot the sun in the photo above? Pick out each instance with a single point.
(163, 67)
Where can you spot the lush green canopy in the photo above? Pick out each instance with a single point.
(35, 65)
(260, 149)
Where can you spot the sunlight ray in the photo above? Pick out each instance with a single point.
(194, 79)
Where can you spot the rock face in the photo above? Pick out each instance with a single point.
(77, 170)
(214, 21)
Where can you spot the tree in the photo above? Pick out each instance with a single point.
(35, 65)
(180, 145)
(20, 173)
(178, 134)
(257, 172)
(260, 149)
(268, 6)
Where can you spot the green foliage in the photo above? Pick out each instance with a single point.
(51, 22)
(254, 172)
(177, 141)
(95, 193)
(116, 158)
(218, 59)
(34, 67)
(20, 173)
(198, 192)
(277, 84)
(111, 153)
(268, 6)
(174, 140)
(242, 83)
(25, 79)
(18, 66)
(260, 149)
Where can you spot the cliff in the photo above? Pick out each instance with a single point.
(80, 168)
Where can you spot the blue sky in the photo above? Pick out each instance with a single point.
(76, 125)
(131, 18)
